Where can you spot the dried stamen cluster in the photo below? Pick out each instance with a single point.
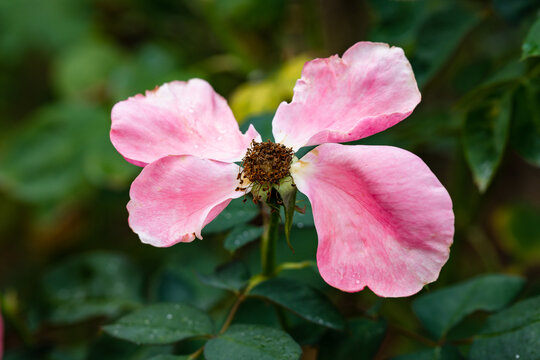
(265, 164)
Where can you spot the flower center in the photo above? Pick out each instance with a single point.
(266, 163)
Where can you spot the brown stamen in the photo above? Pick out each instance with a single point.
(266, 163)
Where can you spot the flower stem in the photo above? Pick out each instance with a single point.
(268, 241)
(232, 313)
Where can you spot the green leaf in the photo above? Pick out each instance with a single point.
(170, 357)
(306, 219)
(515, 10)
(67, 145)
(97, 58)
(440, 310)
(236, 213)
(60, 24)
(263, 124)
(161, 324)
(242, 235)
(511, 334)
(108, 348)
(361, 340)
(97, 284)
(302, 300)
(531, 45)
(231, 276)
(447, 352)
(525, 134)
(484, 137)
(169, 285)
(248, 342)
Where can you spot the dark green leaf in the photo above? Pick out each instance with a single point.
(68, 146)
(439, 353)
(231, 276)
(438, 37)
(170, 285)
(108, 348)
(516, 9)
(397, 22)
(525, 135)
(248, 342)
(440, 310)
(237, 212)
(306, 219)
(484, 138)
(511, 334)
(92, 285)
(362, 340)
(302, 300)
(242, 235)
(263, 124)
(170, 357)
(161, 324)
(531, 45)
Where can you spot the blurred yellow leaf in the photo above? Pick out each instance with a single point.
(256, 97)
(517, 231)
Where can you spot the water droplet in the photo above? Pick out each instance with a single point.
(357, 281)
(169, 316)
(219, 138)
(191, 110)
(517, 356)
(300, 225)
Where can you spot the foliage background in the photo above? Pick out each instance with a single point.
(69, 262)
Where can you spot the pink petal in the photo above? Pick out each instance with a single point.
(337, 100)
(176, 196)
(382, 217)
(178, 118)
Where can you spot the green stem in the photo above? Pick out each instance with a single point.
(268, 242)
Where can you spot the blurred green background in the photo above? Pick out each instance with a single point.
(69, 262)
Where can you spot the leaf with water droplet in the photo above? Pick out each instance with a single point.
(302, 300)
(441, 310)
(94, 284)
(531, 45)
(236, 213)
(231, 276)
(246, 342)
(242, 235)
(510, 334)
(447, 352)
(361, 339)
(161, 324)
